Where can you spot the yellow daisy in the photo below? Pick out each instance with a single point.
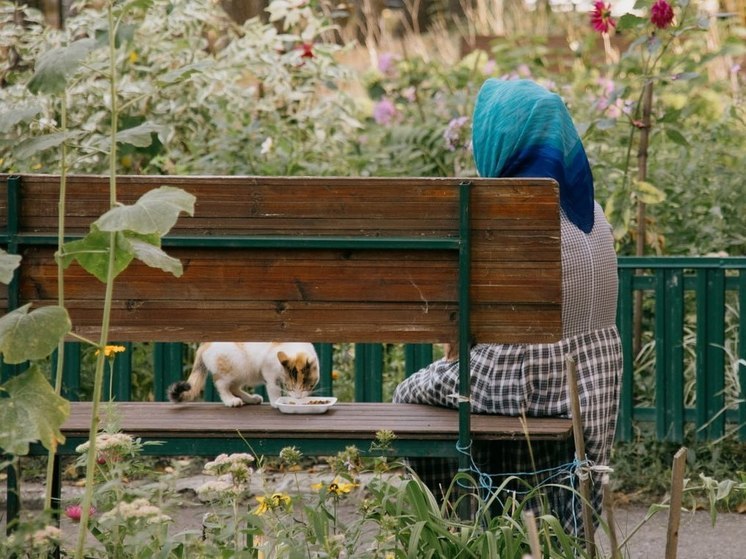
(272, 502)
(335, 488)
(111, 350)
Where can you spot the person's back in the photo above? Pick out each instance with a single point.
(589, 277)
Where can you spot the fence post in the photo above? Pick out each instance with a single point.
(742, 353)
(624, 323)
(326, 366)
(368, 372)
(662, 386)
(710, 353)
(167, 367)
(416, 357)
(676, 337)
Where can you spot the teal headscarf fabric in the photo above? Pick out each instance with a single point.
(520, 129)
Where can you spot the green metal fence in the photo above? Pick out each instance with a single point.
(688, 373)
(693, 346)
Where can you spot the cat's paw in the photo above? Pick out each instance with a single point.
(233, 402)
(252, 399)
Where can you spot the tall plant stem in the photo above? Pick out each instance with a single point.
(642, 173)
(60, 291)
(101, 358)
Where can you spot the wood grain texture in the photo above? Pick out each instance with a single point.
(322, 295)
(341, 421)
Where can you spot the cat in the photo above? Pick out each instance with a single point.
(290, 365)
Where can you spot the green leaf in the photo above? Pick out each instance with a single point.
(30, 147)
(8, 264)
(181, 74)
(630, 21)
(57, 65)
(32, 335)
(686, 76)
(92, 253)
(724, 489)
(676, 137)
(154, 257)
(33, 412)
(155, 212)
(140, 136)
(649, 193)
(671, 115)
(11, 117)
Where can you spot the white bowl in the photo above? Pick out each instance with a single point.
(310, 404)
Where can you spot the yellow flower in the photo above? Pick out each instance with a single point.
(110, 350)
(133, 57)
(335, 375)
(274, 501)
(335, 488)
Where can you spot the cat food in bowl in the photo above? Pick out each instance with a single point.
(311, 404)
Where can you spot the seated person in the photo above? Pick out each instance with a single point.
(522, 130)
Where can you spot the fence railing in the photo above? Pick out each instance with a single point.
(684, 366)
(692, 348)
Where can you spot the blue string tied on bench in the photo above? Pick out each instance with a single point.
(569, 474)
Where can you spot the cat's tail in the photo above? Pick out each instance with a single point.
(184, 391)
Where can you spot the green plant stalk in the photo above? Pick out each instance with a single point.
(101, 358)
(645, 104)
(60, 291)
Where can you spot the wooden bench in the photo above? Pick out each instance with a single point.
(316, 259)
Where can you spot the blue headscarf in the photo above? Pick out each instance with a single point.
(520, 129)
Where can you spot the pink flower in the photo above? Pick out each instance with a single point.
(601, 17)
(410, 94)
(661, 14)
(384, 111)
(75, 512)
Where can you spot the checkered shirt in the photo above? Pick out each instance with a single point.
(531, 379)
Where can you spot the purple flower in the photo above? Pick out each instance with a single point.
(386, 63)
(454, 132)
(384, 111)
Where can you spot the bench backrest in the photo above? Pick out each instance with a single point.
(323, 259)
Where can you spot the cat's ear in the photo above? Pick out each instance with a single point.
(283, 358)
(288, 365)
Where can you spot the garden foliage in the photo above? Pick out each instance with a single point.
(162, 87)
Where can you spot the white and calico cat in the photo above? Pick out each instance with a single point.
(291, 366)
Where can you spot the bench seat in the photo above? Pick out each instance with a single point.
(207, 428)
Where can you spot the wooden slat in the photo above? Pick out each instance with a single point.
(311, 205)
(342, 421)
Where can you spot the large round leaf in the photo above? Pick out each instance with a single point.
(31, 412)
(8, 264)
(155, 212)
(32, 335)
